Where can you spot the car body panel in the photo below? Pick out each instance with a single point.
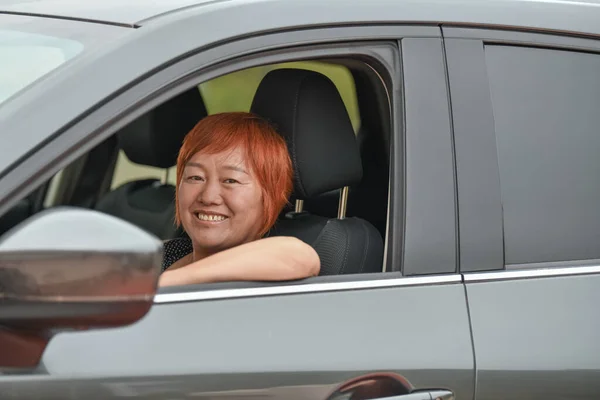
(536, 338)
(310, 342)
(108, 11)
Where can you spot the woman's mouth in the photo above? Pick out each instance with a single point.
(210, 217)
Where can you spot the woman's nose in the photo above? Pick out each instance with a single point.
(210, 193)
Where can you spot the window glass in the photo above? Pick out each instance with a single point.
(127, 171)
(51, 197)
(234, 92)
(26, 57)
(546, 107)
(31, 47)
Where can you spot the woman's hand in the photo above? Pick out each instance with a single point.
(271, 259)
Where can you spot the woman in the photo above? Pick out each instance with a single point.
(234, 176)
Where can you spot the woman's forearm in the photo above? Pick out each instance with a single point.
(271, 259)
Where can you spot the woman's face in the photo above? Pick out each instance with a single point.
(220, 201)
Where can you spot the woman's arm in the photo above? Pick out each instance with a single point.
(270, 259)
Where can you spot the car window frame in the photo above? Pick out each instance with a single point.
(430, 218)
(480, 205)
(350, 50)
(85, 134)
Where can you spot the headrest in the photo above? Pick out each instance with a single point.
(154, 139)
(307, 110)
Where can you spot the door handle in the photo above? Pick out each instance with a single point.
(424, 395)
(385, 386)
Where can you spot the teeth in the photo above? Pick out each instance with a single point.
(204, 217)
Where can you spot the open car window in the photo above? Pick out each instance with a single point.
(234, 92)
(126, 176)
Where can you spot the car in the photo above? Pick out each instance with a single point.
(465, 260)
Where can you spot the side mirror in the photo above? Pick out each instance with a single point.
(70, 268)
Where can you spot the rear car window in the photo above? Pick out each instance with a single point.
(546, 107)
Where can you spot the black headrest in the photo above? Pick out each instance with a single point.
(307, 110)
(155, 138)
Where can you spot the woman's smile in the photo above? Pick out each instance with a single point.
(211, 217)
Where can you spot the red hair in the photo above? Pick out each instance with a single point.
(266, 153)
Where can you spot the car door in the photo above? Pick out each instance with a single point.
(526, 129)
(296, 340)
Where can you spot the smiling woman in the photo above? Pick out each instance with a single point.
(234, 176)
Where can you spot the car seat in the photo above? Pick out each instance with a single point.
(154, 140)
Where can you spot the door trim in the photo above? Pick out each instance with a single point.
(167, 298)
(489, 35)
(531, 273)
(478, 180)
(429, 241)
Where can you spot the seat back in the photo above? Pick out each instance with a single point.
(307, 110)
(368, 199)
(154, 140)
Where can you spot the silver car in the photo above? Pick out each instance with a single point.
(476, 127)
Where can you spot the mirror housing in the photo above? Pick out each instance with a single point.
(70, 268)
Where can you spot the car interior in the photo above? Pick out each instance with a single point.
(335, 118)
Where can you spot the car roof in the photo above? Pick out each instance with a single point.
(122, 12)
(544, 14)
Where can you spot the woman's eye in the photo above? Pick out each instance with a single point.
(230, 181)
(195, 178)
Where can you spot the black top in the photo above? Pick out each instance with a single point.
(175, 250)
